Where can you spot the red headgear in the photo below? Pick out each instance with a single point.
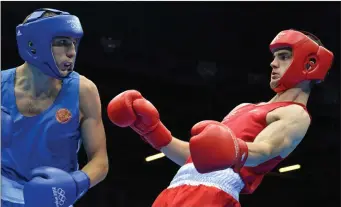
(310, 61)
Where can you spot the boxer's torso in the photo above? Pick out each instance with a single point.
(46, 129)
(246, 122)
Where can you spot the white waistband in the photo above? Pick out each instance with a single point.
(11, 191)
(226, 180)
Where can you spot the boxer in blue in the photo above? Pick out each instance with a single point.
(6, 128)
(48, 110)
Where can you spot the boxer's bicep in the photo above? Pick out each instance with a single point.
(281, 137)
(92, 128)
(93, 134)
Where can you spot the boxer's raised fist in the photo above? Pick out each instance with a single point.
(131, 109)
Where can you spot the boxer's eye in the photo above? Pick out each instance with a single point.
(75, 41)
(284, 57)
(63, 42)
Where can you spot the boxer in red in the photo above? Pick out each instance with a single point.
(224, 159)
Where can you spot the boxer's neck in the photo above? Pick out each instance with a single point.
(299, 94)
(34, 81)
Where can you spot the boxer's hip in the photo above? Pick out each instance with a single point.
(224, 180)
(191, 196)
(191, 188)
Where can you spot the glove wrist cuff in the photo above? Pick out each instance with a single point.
(159, 137)
(243, 154)
(83, 182)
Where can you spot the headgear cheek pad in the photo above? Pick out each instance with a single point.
(310, 61)
(34, 38)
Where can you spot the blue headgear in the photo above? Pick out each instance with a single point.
(34, 38)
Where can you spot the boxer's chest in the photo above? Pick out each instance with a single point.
(247, 122)
(32, 106)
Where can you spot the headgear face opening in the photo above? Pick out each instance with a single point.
(310, 61)
(34, 38)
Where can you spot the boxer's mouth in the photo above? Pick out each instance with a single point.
(67, 66)
(275, 75)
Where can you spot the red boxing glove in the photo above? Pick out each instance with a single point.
(214, 147)
(131, 109)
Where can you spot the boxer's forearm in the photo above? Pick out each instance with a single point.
(97, 169)
(258, 153)
(177, 151)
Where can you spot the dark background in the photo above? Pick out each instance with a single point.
(196, 61)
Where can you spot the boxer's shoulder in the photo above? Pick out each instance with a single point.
(240, 106)
(87, 87)
(89, 95)
(291, 112)
(6, 74)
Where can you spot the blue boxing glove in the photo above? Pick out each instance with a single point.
(6, 128)
(52, 187)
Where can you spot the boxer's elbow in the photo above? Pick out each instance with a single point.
(103, 166)
(102, 171)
